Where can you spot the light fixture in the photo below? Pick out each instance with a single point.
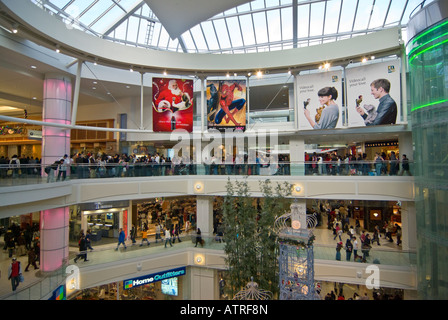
(364, 60)
(164, 73)
(198, 186)
(259, 74)
(58, 48)
(199, 259)
(249, 74)
(235, 74)
(327, 66)
(297, 188)
(95, 62)
(228, 75)
(15, 28)
(372, 58)
(33, 67)
(131, 69)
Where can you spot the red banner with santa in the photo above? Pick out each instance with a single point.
(172, 101)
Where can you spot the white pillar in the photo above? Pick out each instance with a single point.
(204, 215)
(408, 226)
(297, 156)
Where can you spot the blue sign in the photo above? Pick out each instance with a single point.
(151, 278)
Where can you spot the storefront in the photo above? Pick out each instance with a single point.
(163, 285)
(103, 219)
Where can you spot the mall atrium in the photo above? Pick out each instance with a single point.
(123, 119)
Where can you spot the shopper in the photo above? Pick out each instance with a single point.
(338, 251)
(405, 166)
(199, 238)
(348, 249)
(338, 232)
(167, 237)
(133, 234)
(121, 239)
(82, 249)
(14, 273)
(355, 247)
(145, 237)
(158, 232)
(176, 233)
(89, 240)
(376, 235)
(398, 233)
(31, 260)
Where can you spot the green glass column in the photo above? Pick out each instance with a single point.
(428, 76)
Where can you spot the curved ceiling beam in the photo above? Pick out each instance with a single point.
(40, 27)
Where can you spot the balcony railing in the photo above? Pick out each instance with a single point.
(24, 174)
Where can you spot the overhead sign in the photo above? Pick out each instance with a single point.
(155, 277)
(35, 134)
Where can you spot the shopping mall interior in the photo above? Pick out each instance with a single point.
(129, 127)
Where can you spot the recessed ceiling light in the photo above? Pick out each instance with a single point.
(33, 67)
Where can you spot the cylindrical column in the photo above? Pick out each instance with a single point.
(54, 230)
(57, 101)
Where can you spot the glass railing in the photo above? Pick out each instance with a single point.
(41, 288)
(24, 174)
(108, 253)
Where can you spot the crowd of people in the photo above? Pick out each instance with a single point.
(357, 242)
(333, 164)
(21, 241)
(89, 165)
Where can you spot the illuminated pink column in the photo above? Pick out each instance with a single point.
(57, 103)
(54, 228)
(54, 223)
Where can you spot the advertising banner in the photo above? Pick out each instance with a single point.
(226, 105)
(172, 104)
(320, 100)
(378, 104)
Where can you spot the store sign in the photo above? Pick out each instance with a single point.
(155, 277)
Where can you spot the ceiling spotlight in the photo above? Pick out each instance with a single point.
(164, 73)
(249, 74)
(57, 48)
(227, 75)
(327, 66)
(15, 28)
(259, 74)
(364, 60)
(131, 69)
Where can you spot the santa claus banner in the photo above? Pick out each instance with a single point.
(373, 94)
(226, 104)
(320, 100)
(172, 101)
